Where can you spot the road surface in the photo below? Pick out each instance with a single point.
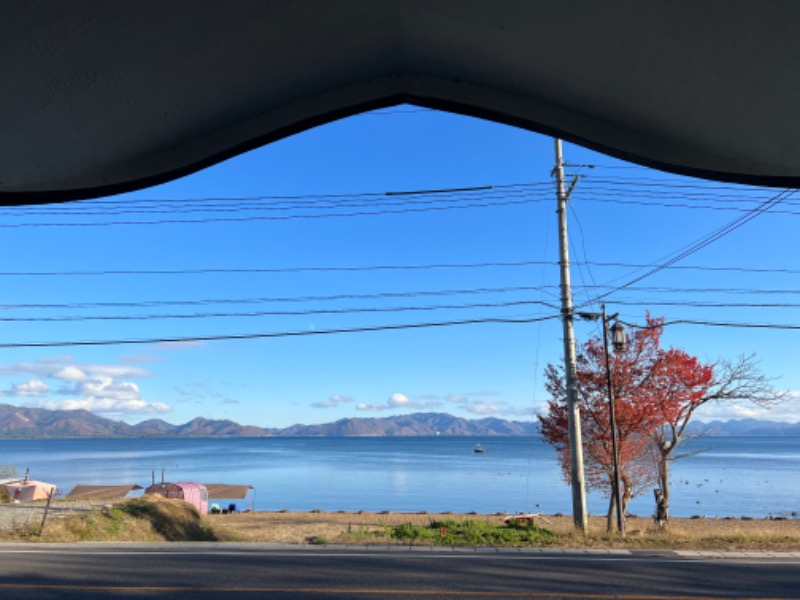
(242, 571)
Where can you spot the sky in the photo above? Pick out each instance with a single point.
(323, 232)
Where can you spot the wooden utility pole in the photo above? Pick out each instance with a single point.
(573, 412)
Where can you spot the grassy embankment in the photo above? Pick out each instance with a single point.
(157, 519)
(147, 519)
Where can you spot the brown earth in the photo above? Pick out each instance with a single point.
(367, 528)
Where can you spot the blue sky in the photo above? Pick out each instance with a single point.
(283, 230)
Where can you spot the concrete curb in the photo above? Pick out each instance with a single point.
(466, 550)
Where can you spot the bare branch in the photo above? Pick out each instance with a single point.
(743, 380)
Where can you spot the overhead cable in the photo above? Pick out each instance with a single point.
(267, 335)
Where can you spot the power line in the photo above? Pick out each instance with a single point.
(426, 293)
(597, 186)
(228, 270)
(320, 269)
(701, 304)
(452, 193)
(651, 204)
(765, 270)
(735, 325)
(376, 328)
(267, 335)
(279, 299)
(256, 218)
(275, 313)
(702, 242)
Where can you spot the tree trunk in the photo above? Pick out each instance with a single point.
(662, 494)
(626, 498)
(610, 522)
(665, 485)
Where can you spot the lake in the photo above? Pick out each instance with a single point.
(729, 477)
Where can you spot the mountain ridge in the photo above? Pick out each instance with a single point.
(23, 422)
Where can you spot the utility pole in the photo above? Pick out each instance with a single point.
(613, 424)
(573, 413)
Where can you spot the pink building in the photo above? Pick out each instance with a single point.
(26, 490)
(190, 491)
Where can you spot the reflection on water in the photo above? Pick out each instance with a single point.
(735, 477)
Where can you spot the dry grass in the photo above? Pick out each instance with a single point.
(370, 528)
(299, 528)
(686, 534)
(156, 519)
(146, 519)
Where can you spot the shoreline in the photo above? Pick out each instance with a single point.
(289, 527)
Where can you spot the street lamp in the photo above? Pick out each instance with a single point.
(619, 339)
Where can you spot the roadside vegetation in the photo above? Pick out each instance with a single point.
(388, 528)
(146, 519)
(472, 533)
(156, 519)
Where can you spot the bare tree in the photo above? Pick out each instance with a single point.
(734, 381)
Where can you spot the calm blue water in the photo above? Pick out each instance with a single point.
(731, 477)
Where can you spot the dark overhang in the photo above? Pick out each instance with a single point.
(105, 97)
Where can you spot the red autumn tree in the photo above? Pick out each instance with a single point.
(652, 387)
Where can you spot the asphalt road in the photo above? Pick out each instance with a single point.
(250, 571)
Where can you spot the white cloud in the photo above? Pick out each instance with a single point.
(483, 408)
(332, 402)
(788, 410)
(395, 401)
(94, 387)
(108, 404)
(141, 358)
(66, 369)
(69, 373)
(501, 409)
(489, 407)
(398, 400)
(104, 394)
(199, 390)
(33, 388)
(187, 345)
(375, 406)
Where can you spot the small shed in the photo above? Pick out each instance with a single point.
(27, 490)
(227, 491)
(192, 492)
(101, 492)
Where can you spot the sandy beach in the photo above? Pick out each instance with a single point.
(306, 527)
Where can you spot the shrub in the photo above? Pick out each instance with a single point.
(175, 520)
(474, 533)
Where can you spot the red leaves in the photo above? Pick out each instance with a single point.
(652, 387)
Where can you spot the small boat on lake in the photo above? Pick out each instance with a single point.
(478, 449)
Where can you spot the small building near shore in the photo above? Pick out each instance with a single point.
(102, 492)
(192, 492)
(26, 490)
(235, 494)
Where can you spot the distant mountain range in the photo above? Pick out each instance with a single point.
(20, 422)
(744, 428)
